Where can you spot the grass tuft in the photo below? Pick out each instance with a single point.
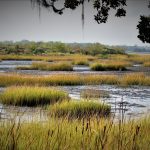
(147, 64)
(74, 79)
(31, 96)
(80, 109)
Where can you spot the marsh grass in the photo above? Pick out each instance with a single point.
(23, 57)
(81, 62)
(59, 66)
(135, 79)
(110, 66)
(147, 64)
(31, 96)
(74, 79)
(57, 79)
(80, 109)
(91, 133)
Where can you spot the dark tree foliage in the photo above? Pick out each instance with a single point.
(144, 28)
(102, 8)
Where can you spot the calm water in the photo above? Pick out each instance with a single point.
(10, 66)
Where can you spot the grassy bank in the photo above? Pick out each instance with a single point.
(146, 64)
(81, 62)
(31, 96)
(62, 134)
(74, 79)
(50, 57)
(59, 66)
(80, 109)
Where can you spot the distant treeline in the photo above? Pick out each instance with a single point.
(136, 49)
(44, 48)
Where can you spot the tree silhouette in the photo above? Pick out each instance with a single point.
(102, 8)
(144, 28)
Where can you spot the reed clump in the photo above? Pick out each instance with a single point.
(31, 96)
(80, 109)
(139, 58)
(110, 66)
(147, 64)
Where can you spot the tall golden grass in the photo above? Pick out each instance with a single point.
(91, 133)
(110, 65)
(56, 79)
(74, 79)
(31, 96)
(52, 57)
(59, 66)
(135, 79)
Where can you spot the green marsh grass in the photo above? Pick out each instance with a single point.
(31, 96)
(91, 133)
(50, 58)
(80, 109)
(147, 64)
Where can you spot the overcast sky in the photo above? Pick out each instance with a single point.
(18, 21)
